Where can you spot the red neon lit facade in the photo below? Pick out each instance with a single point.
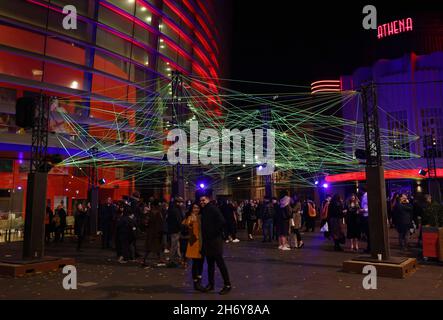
(394, 27)
(118, 47)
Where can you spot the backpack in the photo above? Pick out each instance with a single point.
(311, 210)
(324, 211)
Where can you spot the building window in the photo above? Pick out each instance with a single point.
(399, 147)
(432, 124)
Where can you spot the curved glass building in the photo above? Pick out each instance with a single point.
(122, 53)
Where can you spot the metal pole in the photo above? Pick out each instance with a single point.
(377, 206)
(33, 242)
(178, 111)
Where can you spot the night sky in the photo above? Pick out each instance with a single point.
(296, 43)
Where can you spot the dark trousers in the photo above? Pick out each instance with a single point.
(268, 228)
(123, 246)
(250, 226)
(211, 261)
(297, 234)
(231, 230)
(197, 269)
(274, 231)
(183, 248)
(59, 234)
(310, 224)
(80, 241)
(106, 237)
(47, 233)
(365, 231)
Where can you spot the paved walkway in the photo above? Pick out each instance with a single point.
(258, 271)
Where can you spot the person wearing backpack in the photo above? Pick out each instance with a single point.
(310, 212)
(268, 219)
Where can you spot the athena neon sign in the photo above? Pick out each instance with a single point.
(394, 27)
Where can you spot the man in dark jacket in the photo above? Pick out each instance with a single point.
(268, 215)
(175, 218)
(212, 223)
(106, 215)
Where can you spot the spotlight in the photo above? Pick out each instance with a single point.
(325, 185)
(202, 185)
(260, 168)
(102, 181)
(19, 188)
(316, 183)
(423, 172)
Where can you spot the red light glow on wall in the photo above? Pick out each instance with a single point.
(394, 27)
(389, 175)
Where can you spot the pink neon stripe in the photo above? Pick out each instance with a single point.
(325, 81)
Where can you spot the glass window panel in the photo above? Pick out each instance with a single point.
(140, 55)
(65, 51)
(142, 35)
(113, 43)
(24, 11)
(111, 65)
(21, 67)
(144, 14)
(63, 76)
(109, 87)
(115, 21)
(127, 5)
(166, 30)
(21, 39)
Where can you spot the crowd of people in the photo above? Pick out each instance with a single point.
(185, 232)
(180, 232)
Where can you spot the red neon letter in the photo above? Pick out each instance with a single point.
(390, 29)
(380, 32)
(408, 24)
(395, 27)
(402, 25)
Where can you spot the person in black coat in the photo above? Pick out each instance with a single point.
(212, 224)
(336, 212)
(403, 214)
(154, 232)
(124, 234)
(106, 215)
(175, 219)
(228, 211)
(60, 229)
(81, 219)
